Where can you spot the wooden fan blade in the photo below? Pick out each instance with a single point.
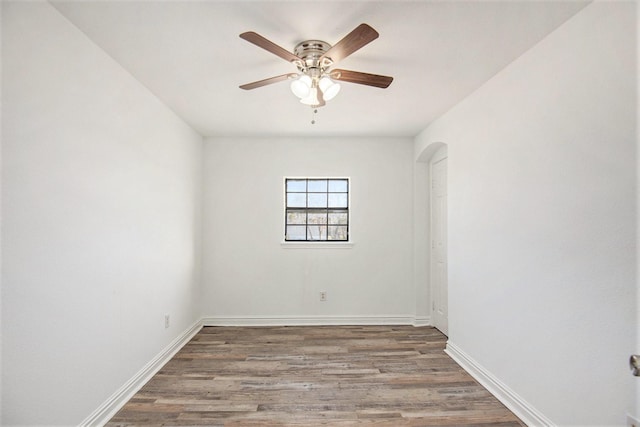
(268, 45)
(361, 36)
(361, 78)
(268, 81)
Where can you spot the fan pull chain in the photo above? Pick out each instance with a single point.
(313, 116)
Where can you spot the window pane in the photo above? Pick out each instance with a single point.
(297, 185)
(317, 200)
(337, 232)
(337, 200)
(338, 185)
(338, 217)
(317, 232)
(296, 232)
(296, 217)
(296, 200)
(317, 217)
(317, 186)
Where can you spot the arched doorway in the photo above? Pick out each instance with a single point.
(438, 277)
(431, 227)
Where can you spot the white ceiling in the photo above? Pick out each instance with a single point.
(189, 55)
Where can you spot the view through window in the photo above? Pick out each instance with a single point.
(317, 209)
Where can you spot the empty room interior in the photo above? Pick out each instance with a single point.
(172, 170)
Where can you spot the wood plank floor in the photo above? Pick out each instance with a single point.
(314, 375)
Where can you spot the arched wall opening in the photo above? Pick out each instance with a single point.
(422, 230)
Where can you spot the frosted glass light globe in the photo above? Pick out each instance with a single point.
(329, 88)
(301, 87)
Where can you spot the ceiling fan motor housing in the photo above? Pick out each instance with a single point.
(310, 51)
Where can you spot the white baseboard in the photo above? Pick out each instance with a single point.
(109, 408)
(523, 410)
(312, 320)
(421, 321)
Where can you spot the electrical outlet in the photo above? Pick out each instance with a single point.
(166, 321)
(323, 295)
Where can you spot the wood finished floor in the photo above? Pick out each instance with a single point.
(308, 376)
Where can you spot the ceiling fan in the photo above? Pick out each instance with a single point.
(315, 82)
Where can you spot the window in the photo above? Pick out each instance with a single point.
(317, 209)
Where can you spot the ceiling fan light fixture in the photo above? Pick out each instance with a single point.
(301, 87)
(315, 83)
(329, 88)
(312, 99)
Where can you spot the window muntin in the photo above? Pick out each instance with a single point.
(317, 209)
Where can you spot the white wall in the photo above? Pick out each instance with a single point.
(101, 191)
(542, 192)
(248, 274)
(636, 411)
(0, 233)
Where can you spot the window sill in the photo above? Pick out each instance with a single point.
(316, 245)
